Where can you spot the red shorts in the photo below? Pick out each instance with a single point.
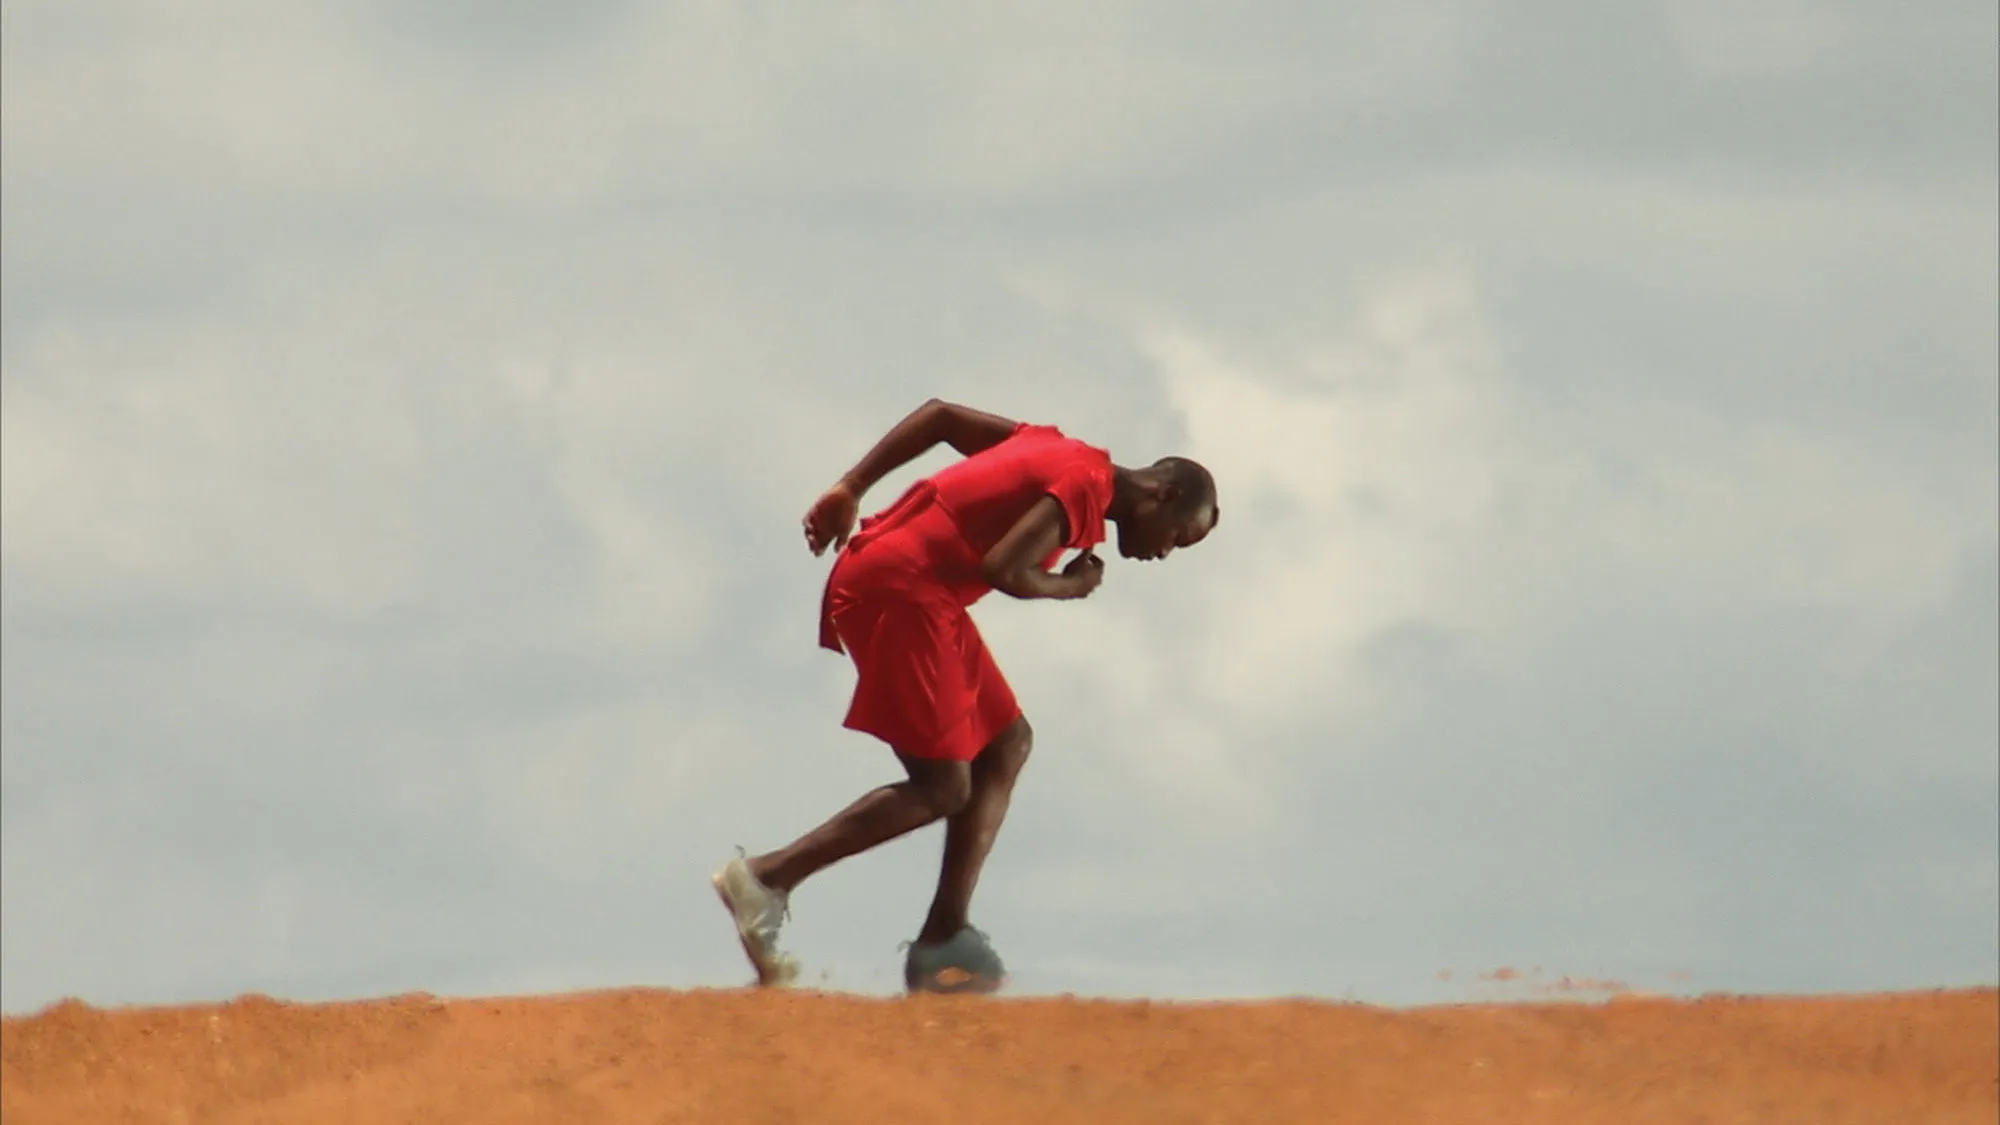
(926, 683)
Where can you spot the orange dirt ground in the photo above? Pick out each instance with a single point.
(746, 1058)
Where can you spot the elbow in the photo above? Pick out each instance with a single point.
(1005, 579)
(995, 576)
(936, 422)
(941, 422)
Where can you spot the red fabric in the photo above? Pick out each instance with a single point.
(987, 494)
(897, 598)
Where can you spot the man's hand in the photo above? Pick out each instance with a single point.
(1085, 573)
(831, 518)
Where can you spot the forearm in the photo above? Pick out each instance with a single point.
(1034, 584)
(908, 440)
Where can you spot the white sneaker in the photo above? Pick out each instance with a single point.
(759, 912)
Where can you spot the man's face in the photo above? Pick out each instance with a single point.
(1157, 529)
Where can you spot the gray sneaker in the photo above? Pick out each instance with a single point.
(964, 962)
(759, 911)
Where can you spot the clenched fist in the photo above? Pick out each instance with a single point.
(831, 518)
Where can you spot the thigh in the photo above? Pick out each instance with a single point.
(1003, 757)
(994, 706)
(912, 689)
(936, 773)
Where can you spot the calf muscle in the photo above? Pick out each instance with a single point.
(934, 791)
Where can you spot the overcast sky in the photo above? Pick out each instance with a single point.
(409, 409)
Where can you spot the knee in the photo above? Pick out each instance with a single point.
(1009, 752)
(946, 789)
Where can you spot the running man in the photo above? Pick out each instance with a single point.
(896, 603)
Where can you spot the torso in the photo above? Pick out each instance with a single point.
(941, 528)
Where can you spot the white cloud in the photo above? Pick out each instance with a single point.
(1386, 475)
(1765, 40)
(1356, 486)
(1379, 456)
(152, 468)
(1779, 518)
(322, 101)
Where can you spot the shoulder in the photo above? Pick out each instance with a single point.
(1051, 442)
(1038, 456)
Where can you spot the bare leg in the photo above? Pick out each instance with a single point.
(969, 833)
(935, 789)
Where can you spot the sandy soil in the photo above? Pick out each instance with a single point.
(745, 1058)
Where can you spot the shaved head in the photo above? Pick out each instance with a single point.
(1163, 507)
(1196, 488)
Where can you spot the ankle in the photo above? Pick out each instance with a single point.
(770, 871)
(937, 932)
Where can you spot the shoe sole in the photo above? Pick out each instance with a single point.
(767, 977)
(958, 982)
(974, 971)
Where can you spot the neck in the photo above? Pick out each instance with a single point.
(1127, 486)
